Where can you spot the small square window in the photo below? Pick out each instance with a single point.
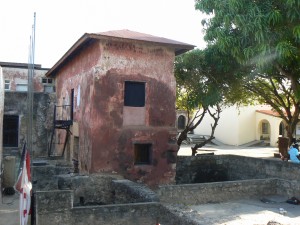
(47, 80)
(134, 95)
(142, 154)
(7, 85)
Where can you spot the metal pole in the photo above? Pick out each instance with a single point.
(30, 89)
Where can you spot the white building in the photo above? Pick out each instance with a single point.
(238, 126)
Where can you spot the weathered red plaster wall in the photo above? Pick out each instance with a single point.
(113, 144)
(105, 144)
(20, 75)
(78, 74)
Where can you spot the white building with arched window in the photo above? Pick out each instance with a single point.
(239, 126)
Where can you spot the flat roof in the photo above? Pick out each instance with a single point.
(21, 65)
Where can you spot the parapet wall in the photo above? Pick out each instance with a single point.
(126, 203)
(209, 168)
(217, 192)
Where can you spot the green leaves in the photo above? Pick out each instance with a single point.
(286, 49)
(274, 17)
(253, 28)
(296, 32)
(205, 78)
(263, 36)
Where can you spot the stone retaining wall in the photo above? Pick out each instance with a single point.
(55, 208)
(217, 192)
(209, 168)
(46, 177)
(126, 191)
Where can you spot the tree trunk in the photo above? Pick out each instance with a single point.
(216, 116)
(182, 136)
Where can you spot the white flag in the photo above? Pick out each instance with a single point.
(23, 186)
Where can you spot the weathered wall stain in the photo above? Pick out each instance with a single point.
(99, 70)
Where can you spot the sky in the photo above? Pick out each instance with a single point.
(60, 23)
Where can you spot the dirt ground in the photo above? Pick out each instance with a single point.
(9, 210)
(243, 212)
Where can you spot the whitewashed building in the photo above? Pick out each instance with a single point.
(239, 126)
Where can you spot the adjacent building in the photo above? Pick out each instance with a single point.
(239, 126)
(15, 79)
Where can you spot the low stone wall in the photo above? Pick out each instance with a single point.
(95, 189)
(126, 191)
(46, 177)
(53, 201)
(55, 208)
(213, 168)
(224, 191)
(201, 169)
(240, 167)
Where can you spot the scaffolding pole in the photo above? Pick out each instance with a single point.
(30, 90)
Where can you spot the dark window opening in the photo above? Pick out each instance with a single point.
(265, 128)
(281, 129)
(10, 131)
(47, 80)
(142, 154)
(72, 104)
(7, 85)
(181, 122)
(134, 94)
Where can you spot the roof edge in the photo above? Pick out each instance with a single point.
(21, 65)
(179, 47)
(81, 40)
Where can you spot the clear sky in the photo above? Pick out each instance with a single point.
(60, 23)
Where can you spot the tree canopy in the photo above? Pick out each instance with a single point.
(204, 82)
(205, 78)
(264, 38)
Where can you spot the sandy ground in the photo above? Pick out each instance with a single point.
(257, 152)
(244, 212)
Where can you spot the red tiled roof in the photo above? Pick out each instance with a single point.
(269, 112)
(133, 35)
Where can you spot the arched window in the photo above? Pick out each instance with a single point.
(181, 122)
(281, 129)
(265, 129)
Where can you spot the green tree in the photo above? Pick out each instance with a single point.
(264, 37)
(204, 82)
